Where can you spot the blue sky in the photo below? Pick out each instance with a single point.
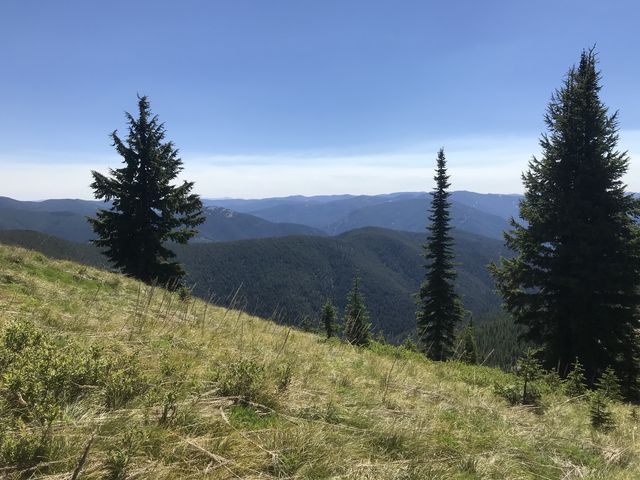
(283, 97)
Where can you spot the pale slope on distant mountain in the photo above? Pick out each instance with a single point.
(224, 225)
(322, 215)
(505, 206)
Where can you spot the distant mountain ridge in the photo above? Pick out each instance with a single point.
(84, 207)
(67, 219)
(64, 224)
(237, 219)
(483, 214)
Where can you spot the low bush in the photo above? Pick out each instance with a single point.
(246, 381)
(22, 447)
(40, 375)
(120, 454)
(122, 381)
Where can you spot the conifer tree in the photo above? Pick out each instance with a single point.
(609, 384)
(469, 352)
(439, 306)
(574, 384)
(599, 411)
(356, 319)
(147, 211)
(309, 324)
(574, 283)
(328, 318)
(529, 369)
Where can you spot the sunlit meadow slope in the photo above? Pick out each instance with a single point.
(104, 377)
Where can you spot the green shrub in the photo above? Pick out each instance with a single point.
(510, 392)
(123, 381)
(22, 447)
(119, 455)
(246, 381)
(553, 381)
(409, 344)
(169, 406)
(184, 293)
(20, 335)
(39, 376)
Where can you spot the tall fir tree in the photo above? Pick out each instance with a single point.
(439, 306)
(356, 319)
(574, 282)
(147, 211)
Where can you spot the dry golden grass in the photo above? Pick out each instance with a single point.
(311, 408)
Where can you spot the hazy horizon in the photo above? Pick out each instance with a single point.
(204, 197)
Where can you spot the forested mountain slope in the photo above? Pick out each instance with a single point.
(291, 277)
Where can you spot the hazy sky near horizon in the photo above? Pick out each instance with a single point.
(302, 97)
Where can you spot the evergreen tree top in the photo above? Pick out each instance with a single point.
(356, 318)
(581, 140)
(439, 305)
(575, 281)
(147, 211)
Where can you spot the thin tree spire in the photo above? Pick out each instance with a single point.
(439, 305)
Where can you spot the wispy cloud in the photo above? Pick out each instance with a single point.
(482, 164)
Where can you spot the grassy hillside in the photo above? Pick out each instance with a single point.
(291, 277)
(114, 379)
